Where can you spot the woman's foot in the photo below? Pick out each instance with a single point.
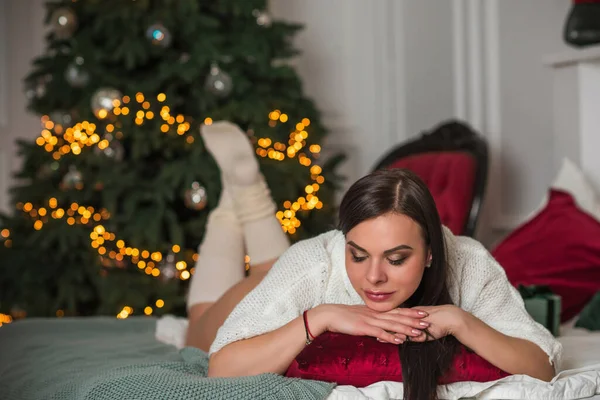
(263, 236)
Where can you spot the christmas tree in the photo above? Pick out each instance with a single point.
(113, 196)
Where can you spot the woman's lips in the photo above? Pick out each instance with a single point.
(378, 296)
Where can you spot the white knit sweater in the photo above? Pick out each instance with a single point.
(313, 272)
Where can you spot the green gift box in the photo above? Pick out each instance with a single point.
(543, 306)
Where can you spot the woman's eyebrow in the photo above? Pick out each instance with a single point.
(357, 247)
(401, 247)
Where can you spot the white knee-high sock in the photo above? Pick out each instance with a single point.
(220, 262)
(253, 204)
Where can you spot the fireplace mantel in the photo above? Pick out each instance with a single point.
(576, 77)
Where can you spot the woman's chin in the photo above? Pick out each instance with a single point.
(380, 306)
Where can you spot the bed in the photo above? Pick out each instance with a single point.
(106, 358)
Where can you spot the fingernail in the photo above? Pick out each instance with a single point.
(397, 340)
(422, 313)
(416, 332)
(423, 323)
(379, 340)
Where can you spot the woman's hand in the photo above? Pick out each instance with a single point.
(393, 326)
(443, 320)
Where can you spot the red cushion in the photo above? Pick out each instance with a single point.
(450, 177)
(361, 361)
(559, 247)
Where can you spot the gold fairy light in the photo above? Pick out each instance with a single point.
(74, 139)
(125, 312)
(5, 319)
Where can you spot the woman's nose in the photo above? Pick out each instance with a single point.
(375, 273)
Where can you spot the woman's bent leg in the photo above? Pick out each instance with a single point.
(205, 322)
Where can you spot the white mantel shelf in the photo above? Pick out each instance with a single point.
(571, 57)
(576, 76)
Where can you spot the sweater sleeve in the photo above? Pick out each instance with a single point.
(295, 283)
(488, 295)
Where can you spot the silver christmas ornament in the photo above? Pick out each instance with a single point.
(262, 18)
(30, 92)
(167, 267)
(114, 150)
(218, 82)
(196, 197)
(159, 35)
(76, 74)
(62, 118)
(63, 22)
(72, 178)
(104, 99)
(36, 89)
(40, 88)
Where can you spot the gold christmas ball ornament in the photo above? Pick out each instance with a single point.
(104, 101)
(63, 22)
(196, 197)
(262, 18)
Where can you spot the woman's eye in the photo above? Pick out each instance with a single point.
(357, 259)
(398, 261)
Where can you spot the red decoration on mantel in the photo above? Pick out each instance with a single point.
(582, 27)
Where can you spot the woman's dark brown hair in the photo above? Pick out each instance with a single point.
(401, 191)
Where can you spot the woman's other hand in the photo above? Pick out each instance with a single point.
(393, 326)
(443, 320)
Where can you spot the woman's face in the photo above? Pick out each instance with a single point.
(385, 260)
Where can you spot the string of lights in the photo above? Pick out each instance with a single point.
(59, 141)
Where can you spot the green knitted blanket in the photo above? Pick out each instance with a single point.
(106, 358)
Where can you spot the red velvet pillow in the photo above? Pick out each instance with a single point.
(361, 361)
(560, 248)
(450, 177)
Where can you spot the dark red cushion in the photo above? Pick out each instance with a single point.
(450, 177)
(560, 248)
(361, 361)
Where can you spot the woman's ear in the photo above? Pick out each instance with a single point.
(429, 259)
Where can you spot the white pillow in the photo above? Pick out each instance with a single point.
(571, 179)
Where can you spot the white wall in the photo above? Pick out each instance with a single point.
(21, 39)
(381, 71)
(384, 70)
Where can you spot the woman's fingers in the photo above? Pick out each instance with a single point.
(393, 326)
(405, 320)
(383, 336)
(408, 312)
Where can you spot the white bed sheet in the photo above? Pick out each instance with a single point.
(579, 378)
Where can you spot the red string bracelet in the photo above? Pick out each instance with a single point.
(309, 336)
